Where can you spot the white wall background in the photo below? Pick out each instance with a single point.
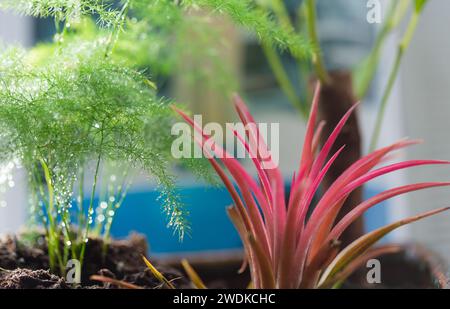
(14, 30)
(425, 106)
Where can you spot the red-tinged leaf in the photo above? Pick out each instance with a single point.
(238, 172)
(282, 250)
(244, 264)
(364, 206)
(261, 173)
(357, 169)
(365, 164)
(274, 175)
(330, 204)
(267, 203)
(183, 115)
(279, 220)
(312, 189)
(261, 232)
(317, 135)
(359, 262)
(311, 272)
(339, 228)
(317, 239)
(359, 246)
(275, 178)
(119, 283)
(365, 178)
(244, 181)
(295, 222)
(234, 195)
(323, 154)
(389, 169)
(253, 134)
(243, 234)
(242, 110)
(321, 221)
(267, 276)
(248, 224)
(307, 151)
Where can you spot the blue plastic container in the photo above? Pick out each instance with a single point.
(211, 228)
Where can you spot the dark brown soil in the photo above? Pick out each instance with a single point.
(26, 265)
(30, 279)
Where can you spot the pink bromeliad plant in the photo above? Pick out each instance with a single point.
(295, 243)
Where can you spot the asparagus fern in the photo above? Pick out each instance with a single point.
(59, 117)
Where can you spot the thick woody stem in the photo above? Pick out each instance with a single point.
(335, 99)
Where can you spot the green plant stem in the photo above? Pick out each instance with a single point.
(304, 68)
(412, 25)
(281, 76)
(114, 35)
(282, 14)
(53, 240)
(38, 195)
(80, 199)
(91, 202)
(69, 238)
(396, 13)
(318, 62)
(274, 60)
(107, 233)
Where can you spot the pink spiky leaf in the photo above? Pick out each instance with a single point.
(358, 210)
(359, 246)
(244, 181)
(295, 224)
(364, 206)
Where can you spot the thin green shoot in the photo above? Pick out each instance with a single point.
(401, 49)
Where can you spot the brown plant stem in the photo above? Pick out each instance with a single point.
(336, 98)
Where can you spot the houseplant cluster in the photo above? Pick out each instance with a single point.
(84, 111)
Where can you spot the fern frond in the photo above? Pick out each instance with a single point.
(259, 21)
(65, 10)
(75, 108)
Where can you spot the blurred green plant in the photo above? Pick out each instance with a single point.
(156, 34)
(418, 7)
(74, 110)
(67, 11)
(160, 30)
(313, 64)
(88, 100)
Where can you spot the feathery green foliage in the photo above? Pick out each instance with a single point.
(163, 36)
(70, 107)
(60, 116)
(65, 10)
(259, 21)
(165, 14)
